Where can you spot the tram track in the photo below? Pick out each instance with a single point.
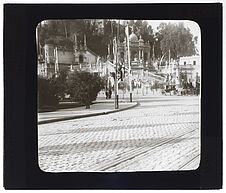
(129, 155)
(190, 163)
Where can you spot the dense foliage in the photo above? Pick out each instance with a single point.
(177, 39)
(100, 33)
(84, 86)
(47, 95)
(59, 84)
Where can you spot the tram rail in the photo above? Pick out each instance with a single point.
(129, 155)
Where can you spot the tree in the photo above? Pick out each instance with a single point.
(144, 30)
(84, 86)
(100, 33)
(59, 84)
(177, 39)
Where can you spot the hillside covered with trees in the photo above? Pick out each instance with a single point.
(99, 33)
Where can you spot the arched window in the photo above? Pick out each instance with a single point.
(81, 58)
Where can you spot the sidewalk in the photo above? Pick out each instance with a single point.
(100, 108)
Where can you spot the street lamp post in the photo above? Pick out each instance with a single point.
(129, 64)
(115, 44)
(116, 72)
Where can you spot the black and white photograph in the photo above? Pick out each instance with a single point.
(113, 96)
(118, 95)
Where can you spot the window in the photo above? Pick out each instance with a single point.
(194, 62)
(184, 63)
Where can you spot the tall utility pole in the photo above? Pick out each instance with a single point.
(56, 62)
(129, 64)
(115, 44)
(115, 48)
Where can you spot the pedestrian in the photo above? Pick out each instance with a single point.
(106, 93)
(110, 92)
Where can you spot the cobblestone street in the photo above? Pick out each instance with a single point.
(161, 134)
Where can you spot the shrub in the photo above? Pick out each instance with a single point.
(83, 86)
(59, 84)
(46, 94)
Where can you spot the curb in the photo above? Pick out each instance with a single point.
(87, 115)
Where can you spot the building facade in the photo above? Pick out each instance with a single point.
(81, 57)
(187, 70)
(191, 66)
(139, 58)
(57, 58)
(139, 53)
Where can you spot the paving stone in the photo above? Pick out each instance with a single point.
(81, 144)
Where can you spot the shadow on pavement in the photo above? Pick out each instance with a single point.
(65, 149)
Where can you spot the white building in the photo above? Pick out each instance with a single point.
(191, 66)
(60, 57)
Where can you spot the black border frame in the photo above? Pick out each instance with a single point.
(21, 169)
